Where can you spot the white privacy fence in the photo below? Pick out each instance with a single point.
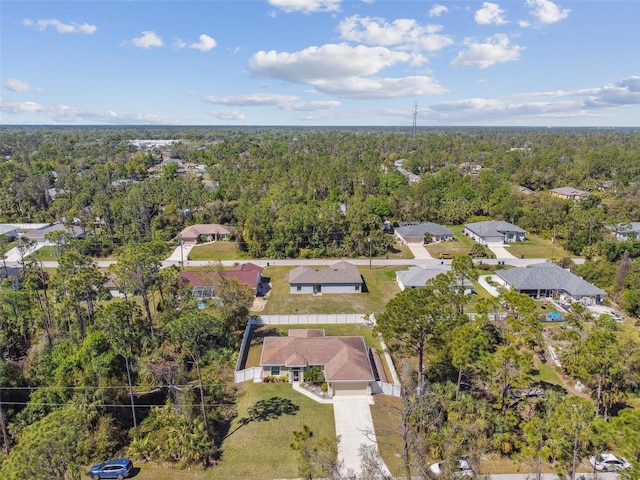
(255, 373)
(313, 318)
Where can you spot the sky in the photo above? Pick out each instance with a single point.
(320, 63)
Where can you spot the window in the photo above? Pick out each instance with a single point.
(275, 370)
(357, 288)
(298, 288)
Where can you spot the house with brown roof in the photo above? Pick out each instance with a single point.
(341, 277)
(345, 361)
(204, 232)
(202, 287)
(569, 193)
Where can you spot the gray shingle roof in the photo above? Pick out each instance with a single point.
(419, 229)
(548, 276)
(416, 277)
(339, 273)
(492, 228)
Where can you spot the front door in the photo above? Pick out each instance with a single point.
(317, 289)
(295, 374)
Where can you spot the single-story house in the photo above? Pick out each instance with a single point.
(417, 277)
(345, 361)
(342, 277)
(569, 193)
(39, 234)
(524, 190)
(208, 232)
(494, 231)
(627, 231)
(11, 231)
(548, 280)
(247, 273)
(422, 232)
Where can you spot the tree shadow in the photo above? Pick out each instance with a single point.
(265, 410)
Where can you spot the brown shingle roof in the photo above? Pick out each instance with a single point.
(343, 358)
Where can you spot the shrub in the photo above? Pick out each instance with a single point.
(314, 374)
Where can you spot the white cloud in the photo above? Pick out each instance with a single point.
(60, 27)
(490, 14)
(331, 61)
(496, 49)
(16, 85)
(228, 115)
(378, 88)
(283, 102)
(307, 6)
(311, 106)
(437, 10)
(404, 32)
(524, 24)
(546, 11)
(67, 114)
(205, 44)
(148, 39)
(580, 104)
(252, 100)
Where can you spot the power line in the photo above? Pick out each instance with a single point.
(119, 405)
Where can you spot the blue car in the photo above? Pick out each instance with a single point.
(115, 468)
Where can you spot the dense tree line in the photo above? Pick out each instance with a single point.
(152, 373)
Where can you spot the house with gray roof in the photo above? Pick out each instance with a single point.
(626, 231)
(569, 193)
(422, 232)
(548, 280)
(341, 277)
(39, 235)
(494, 232)
(345, 361)
(418, 276)
(10, 230)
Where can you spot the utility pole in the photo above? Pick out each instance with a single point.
(369, 239)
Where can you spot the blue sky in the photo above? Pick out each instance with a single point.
(321, 62)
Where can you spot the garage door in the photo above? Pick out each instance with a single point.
(350, 388)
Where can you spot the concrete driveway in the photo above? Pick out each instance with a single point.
(354, 426)
(419, 252)
(500, 251)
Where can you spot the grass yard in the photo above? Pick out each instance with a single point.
(380, 282)
(221, 250)
(257, 445)
(45, 254)
(546, 373)
(537, 247)
(259, 449)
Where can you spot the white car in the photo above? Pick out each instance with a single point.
(608, 462)
(463, 469)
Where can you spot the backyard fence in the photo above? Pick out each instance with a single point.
(311, 319)
(251, 373)
(391, 389)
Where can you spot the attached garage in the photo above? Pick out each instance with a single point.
(350, 388)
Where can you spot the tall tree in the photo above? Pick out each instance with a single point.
(194, 332)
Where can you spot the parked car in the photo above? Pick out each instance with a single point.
(608, 462)
(445, 255)
(463, 469)
(113, 468)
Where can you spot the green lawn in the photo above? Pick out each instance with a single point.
(537, 247)
(546, 373)
(222, 250)
(46, 254)
(380, 282)
(461, 244)
(258, 447)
